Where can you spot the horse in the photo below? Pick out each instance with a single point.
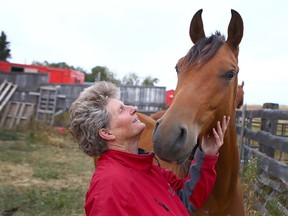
(240, 95)
(206, 89)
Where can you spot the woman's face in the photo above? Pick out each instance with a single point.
(123, 120)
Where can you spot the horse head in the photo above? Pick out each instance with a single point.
(205, 91)
(240, 95)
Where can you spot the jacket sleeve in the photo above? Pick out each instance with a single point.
(197, 186)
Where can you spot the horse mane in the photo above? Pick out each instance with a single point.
(205, 48)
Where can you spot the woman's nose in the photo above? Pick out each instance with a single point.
(133, 109)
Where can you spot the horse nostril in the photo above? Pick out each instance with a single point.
(156, 126)
(183, 132)
(182, 138)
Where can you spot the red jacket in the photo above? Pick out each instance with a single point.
(130, 184)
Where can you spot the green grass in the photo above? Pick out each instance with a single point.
(249, 176)
(42, 200)
(42, 173)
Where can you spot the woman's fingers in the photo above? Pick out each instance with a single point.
(217, 138)
(225, 123)
(221, 129)
(212, 144)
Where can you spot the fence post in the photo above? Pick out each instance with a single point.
(240, 142)
(269, 126)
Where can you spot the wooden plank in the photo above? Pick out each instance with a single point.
(47, 104)
(240, 140)
(266, 138)
(261, 208)
(268, 114)
(261, 193)
(7, 119)
(34, 93)
(13, 109)
(3, 84)
(16, 114)
(20, 113)
(278, 186)
(269, 126)
(146, 98)
(7, 90)
(265, 198)
(271, 166)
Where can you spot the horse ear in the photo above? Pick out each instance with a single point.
(235, 29)
(196, 27)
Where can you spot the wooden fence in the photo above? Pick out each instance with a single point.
(148, 99)
(263, 135)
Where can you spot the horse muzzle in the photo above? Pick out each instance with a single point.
(173, 142)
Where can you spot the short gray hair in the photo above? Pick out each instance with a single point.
(88, 115)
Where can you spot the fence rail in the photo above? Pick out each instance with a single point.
(262, 135)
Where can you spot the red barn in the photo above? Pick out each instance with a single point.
(56, 75)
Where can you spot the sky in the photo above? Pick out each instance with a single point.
(148, 37)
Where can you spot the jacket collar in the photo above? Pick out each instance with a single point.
(142, 161)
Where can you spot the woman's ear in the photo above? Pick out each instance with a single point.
(105, 134)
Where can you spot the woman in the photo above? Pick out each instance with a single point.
(126, 182)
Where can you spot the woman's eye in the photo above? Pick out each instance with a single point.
(122, 109)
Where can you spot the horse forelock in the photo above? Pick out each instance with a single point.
(205, 49)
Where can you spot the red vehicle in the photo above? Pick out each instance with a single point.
(56, 75)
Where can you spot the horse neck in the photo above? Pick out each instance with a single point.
(228, 164)
(230, 147)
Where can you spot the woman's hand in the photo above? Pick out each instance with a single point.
(211, 144)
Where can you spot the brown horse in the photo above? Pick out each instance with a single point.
(205, 92)
(240, 95)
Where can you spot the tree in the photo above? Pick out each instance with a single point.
(101, 73)
(149, 81)
(131, 79)
(4, 48)
(59, 65)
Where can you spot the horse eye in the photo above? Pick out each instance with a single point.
(176, 68)
(229, 75)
